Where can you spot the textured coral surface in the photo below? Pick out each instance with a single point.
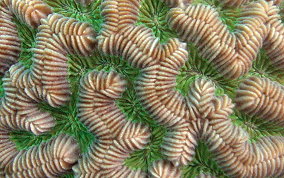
(141, 88)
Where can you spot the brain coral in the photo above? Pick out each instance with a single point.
(141, 88)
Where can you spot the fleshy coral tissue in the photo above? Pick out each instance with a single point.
(141, 88)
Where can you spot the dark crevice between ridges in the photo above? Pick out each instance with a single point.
(203, 162)
(71, 8)
(152, 14)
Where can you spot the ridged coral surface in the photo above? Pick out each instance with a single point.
(141, 88)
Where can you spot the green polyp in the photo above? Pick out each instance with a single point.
(68, 175)
(78, 66)
(144, 158)
(281, 12)
(256, 127)
(27, 37)
(152, 14)
(213, 3)
(24, 139)
(71, 8)
(262, 67)
(198, 67)
(66, 122)
(2, 92)
(128, 103)
(131, 106)
(203, 162)
(230, 17)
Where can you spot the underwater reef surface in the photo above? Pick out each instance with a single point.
(141, 88)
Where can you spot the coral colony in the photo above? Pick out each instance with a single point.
(141, 88)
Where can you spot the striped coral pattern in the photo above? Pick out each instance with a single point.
(20, 111)
(49, 70)
(163, 169)
(9, 41)
(119, 15)
(117, 136)
(49, 159)
(231, 53)
(29, 11)
(136, 44)
(7, 148)
(261, 97)
(199, 114)
(25, 88)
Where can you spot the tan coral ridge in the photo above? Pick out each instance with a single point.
(262, 98)
(200, 115)
(229, 143)
(30, 12)
(183, 4)
(117, 136)
(137, 45)
(45, 81)
(50, 159)
(47, 78)
(232, 53)
(165, 169)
